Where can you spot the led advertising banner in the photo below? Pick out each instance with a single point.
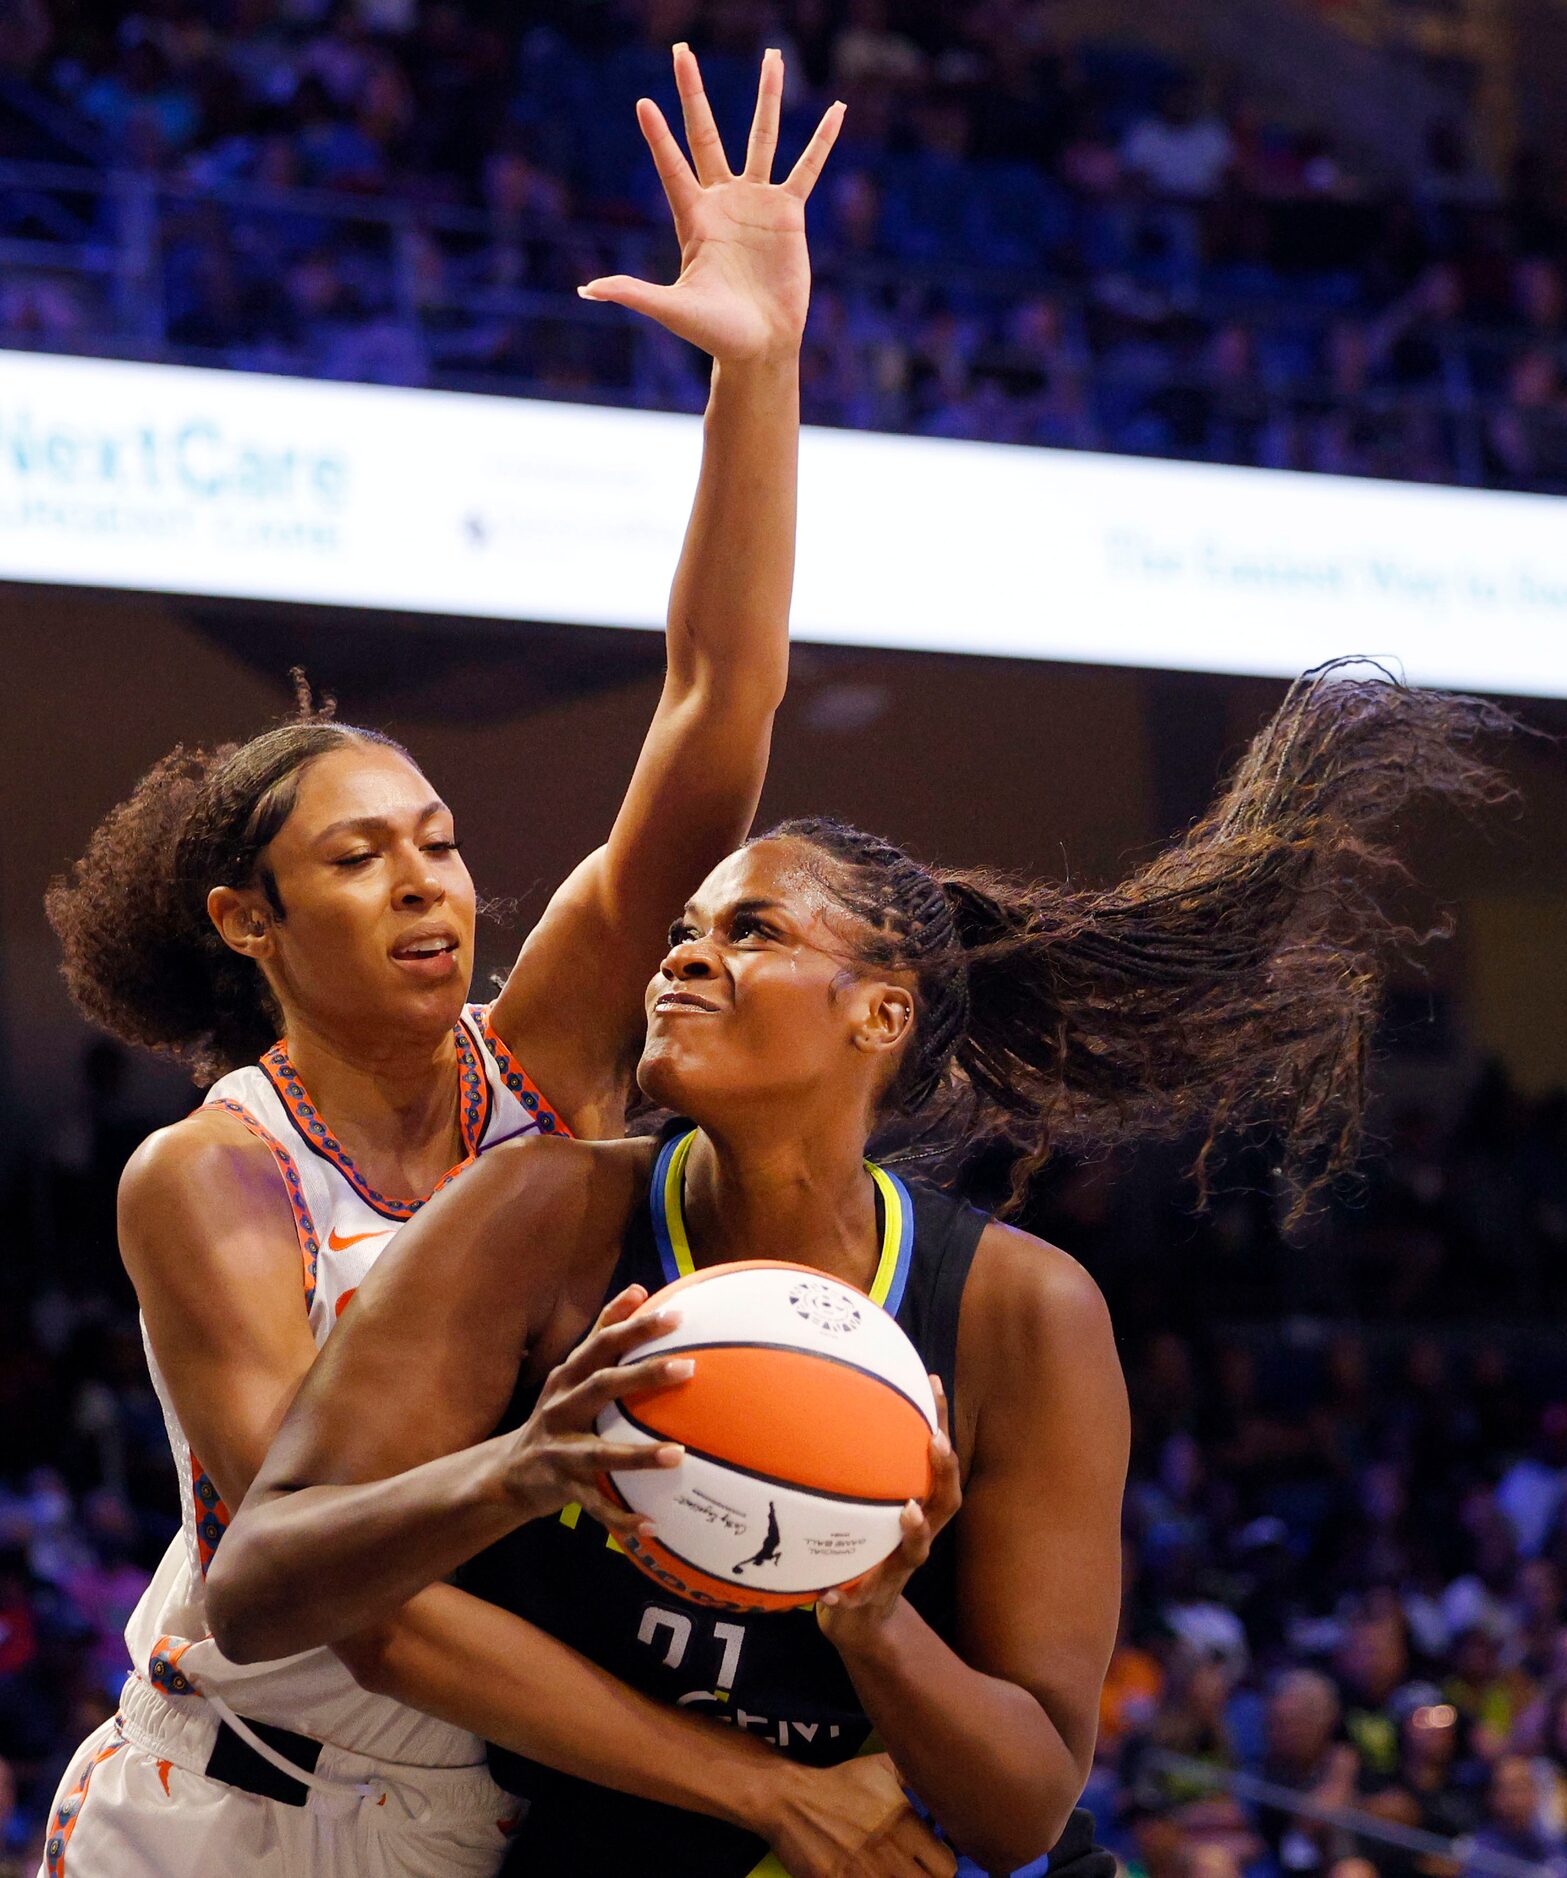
(231, 484)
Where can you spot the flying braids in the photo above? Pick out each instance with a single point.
(1230, 984)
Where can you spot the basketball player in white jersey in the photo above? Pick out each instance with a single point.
(308, 885)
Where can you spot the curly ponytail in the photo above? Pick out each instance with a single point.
(1233, 982)
(141, 958)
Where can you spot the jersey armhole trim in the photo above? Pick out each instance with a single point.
(515, 1077)
(304, 1225)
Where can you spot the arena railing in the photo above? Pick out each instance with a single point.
(1477, 1861)
(460, 284)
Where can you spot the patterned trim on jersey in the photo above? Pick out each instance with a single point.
(163, 1666)
(473, 1114)
(666, 1198)
(70, 1810)
(304, 1225)
(212, 1516)
(516, 1078)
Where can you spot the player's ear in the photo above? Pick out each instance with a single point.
(243, 920)
(885, 1016)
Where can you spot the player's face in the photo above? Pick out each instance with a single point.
(759, 998)
(377, 933)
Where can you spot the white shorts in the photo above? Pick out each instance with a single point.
(136, 1803)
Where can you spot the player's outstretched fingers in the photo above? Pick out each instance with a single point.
(681, 187)
(707, 147)
(637, 296)
(802, 179)
(578, 1407)
(764, 125)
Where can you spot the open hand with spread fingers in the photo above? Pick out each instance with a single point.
(745, 274)
(855, 1612)
(555, 1457)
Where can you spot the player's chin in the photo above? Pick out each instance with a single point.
(681, 1067)
(438, 1001)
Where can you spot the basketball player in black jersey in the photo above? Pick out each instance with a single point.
(819, 981)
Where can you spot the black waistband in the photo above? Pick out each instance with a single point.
(237, 1764)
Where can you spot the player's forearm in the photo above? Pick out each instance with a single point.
(729, 605)
(481, 1668)
(979, 1751)
(301, 1568)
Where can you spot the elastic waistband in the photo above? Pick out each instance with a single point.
(183, 1729)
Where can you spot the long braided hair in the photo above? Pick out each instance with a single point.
(140, 956)
(1230, 984)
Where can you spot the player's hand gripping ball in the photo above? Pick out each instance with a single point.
(806, 1423)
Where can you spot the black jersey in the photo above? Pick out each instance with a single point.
(771, 1673)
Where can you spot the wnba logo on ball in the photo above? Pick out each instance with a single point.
(825, 1306)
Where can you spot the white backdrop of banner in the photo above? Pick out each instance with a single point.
(228, 484)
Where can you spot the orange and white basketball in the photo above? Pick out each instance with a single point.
(806, 1425)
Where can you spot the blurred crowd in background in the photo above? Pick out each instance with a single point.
(1346, 1527)
(1020, 239)
(1346, 1530)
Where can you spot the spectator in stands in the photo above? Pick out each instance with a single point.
(1372, 1664)
(1532, 1493)
(1182, 151)
(1427, 1793)
(1546, 1739)
(1537, 1614)
(1175, 1768)
(1302, 1752)
(976, 141)
(145, 115)
(1489, 1699)
(1513, 1823)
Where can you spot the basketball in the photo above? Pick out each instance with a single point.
(806, 1425)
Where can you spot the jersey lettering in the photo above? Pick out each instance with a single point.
(678, 1626)
(657, 1619)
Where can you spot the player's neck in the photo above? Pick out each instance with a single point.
(804, 1196)
(393, 1107)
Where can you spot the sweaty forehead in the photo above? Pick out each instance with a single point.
(779, 869)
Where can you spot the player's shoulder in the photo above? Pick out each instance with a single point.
(555, 1169)
(197, 1194)
(1027, 1291)
(1036, 1347)
(185, 1160)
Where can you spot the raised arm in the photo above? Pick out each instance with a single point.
(741, 296)
(997, 1735)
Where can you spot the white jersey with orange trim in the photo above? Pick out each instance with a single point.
(343, 1225)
